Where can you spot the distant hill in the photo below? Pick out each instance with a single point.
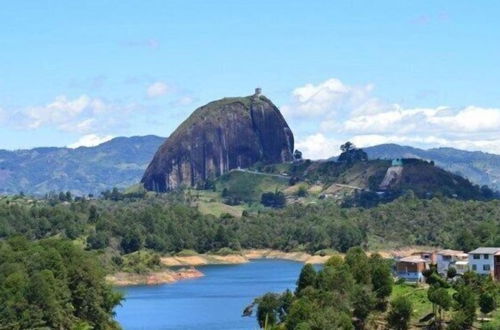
(119, 162)
(479, 167)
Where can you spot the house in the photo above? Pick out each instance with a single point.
(429, 256)
(451, 258)
(485, 261)
(397, 162)
(411, 268)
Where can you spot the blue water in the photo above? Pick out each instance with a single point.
(215, 301)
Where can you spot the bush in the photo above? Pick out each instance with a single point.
(275, 200)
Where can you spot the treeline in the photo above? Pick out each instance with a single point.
(168, 225)
(341, 295)
(357, 293)
(52, 284)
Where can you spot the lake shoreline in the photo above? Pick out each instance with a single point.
(169, 276)
(166, 276)
(185, 266)
(243, 257)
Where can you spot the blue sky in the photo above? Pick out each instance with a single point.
(422, 73)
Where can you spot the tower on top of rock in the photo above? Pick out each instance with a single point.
(258, 92)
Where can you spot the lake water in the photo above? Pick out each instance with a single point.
(215, 301)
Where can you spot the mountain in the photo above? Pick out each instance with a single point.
(119, 162)
(226, 134)
(479, 167)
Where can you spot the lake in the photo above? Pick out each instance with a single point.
(215, 301)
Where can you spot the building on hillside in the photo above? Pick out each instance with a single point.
(485, 261)
(411, 268)
(429, 256)
(397, 162)
(451, 258)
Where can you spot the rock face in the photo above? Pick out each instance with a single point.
(222, 135)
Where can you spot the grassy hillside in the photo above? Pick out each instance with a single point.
(354, 184)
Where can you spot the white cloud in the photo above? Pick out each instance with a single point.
(90, 140)
(328, 98)
(183, 101)
(62, 111)
(157, 89)
(471, 119)
(83, 114)
(318, 146)
(337, 112)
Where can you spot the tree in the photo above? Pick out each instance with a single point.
(451, 272)
(301, 311)
(381, 275)
(440, 300)
(307, 278)
(400, 313)
(62, 288)
(268, 309)
(93, 215)
(297, 155)
(358, 263)
(96, 241)
(459, 321)
(275, 200)
(487, 303)
(363, 303)
(348, 146)
(466, 304)
(351, 154)
(131, 242)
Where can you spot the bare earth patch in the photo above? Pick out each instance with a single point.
(153, 278)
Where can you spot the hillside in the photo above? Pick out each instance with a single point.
(119, 162)
(479, 167)
(362, 183)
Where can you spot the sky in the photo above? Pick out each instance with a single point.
(419, 73)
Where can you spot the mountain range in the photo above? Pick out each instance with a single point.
(121, 162)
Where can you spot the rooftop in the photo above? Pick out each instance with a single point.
(485, 250)
(453, 253)
(413, 259)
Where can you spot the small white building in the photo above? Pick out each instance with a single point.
(451, 258)
(485, 261)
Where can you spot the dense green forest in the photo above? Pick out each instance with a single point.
(48, 279)
(167, 224)
(358, 292)
(53, 284)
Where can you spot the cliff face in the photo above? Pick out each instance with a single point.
(218, 137)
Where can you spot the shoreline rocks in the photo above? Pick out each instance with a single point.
(153, 278)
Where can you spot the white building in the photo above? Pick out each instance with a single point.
(451, 258)
(485, 261)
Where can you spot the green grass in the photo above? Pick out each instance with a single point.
(418, 297)
(249, 186)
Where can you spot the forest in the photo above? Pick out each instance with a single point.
(53, 284)
(56, 251)
(169, 225)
